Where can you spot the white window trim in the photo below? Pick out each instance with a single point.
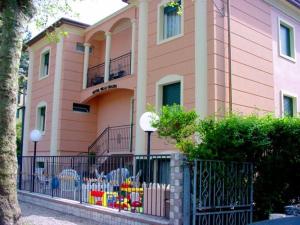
(39, 105)
(295, 102)
(160, 25)
(46, 49)
(293, 41)
(169, 79)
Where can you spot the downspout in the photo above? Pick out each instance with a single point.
(229, 57)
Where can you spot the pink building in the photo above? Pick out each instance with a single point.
(88, 91)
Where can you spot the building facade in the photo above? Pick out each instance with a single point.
(88, 91)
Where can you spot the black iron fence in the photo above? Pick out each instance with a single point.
(222, 192)
(117, 139)
(95, 75)
(117, 182)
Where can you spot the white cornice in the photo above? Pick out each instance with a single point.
(109, 17)
(286, 8)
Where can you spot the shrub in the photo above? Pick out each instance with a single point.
(272, 144)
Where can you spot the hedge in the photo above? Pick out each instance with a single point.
(272, 144)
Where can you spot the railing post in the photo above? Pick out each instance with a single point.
(108, 139)
(20, 163)
(186, 194)
(80, 180)
(31, 175)
(52, 176)
(120, 183)
(131, 134)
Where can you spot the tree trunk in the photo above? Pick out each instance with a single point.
(13, 21)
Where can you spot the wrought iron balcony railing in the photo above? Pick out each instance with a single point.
(118, 67)
(95, 75)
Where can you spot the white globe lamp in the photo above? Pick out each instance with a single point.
(35, 136)
(146, 122)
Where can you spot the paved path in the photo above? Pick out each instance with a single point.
(36, 215)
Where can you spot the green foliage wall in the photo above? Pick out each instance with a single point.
(272, 144)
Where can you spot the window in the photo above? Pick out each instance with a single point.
(45, 63)
(80, 47)
(169, 91)
(286, 40)
(41, 118)
(289, 106)
(170, 23)
(171, 94)
(81, 108)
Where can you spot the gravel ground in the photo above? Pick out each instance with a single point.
(36, 215)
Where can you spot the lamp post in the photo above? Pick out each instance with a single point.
(35, 136)
(146, 121)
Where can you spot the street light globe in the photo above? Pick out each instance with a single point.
(35, 135)
(146, 121)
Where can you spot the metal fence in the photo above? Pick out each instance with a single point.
(222, 193)
(117, 182)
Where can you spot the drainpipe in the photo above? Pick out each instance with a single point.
(229, 57)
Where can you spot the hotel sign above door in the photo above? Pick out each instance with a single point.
(105, 88)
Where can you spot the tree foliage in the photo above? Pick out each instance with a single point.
(272, 144)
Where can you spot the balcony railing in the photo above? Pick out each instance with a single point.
(95, 75)
(118, 67)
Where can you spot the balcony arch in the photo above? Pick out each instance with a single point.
(121, 48)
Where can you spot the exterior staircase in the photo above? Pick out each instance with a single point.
(113, 141)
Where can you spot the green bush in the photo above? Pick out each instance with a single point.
(272, 144)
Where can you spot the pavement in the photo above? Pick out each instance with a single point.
(281, 221)
(36, 215)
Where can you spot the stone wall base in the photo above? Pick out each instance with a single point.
(91, 212)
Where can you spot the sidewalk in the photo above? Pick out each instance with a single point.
(36, 215)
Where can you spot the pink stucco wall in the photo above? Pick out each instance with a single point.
(251, 45)
(286, 73)
(114, 109)
(42, 91)
(77, 129)
(258, 73)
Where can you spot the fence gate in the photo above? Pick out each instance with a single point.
(222, 193)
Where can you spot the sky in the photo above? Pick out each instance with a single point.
(90, 11)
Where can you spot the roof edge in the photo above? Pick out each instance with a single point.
(57, 24)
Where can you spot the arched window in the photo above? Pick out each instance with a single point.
(41, 111)
(169, 91)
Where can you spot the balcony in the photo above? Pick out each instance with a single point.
(118, 67)
(95, 75)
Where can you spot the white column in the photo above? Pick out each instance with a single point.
(141, 74)
(201, 96)
(107, 55)
(28, 104)
(133, 38)
(56, 98)
(85, 64)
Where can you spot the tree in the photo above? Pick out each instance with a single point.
(14, 18)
